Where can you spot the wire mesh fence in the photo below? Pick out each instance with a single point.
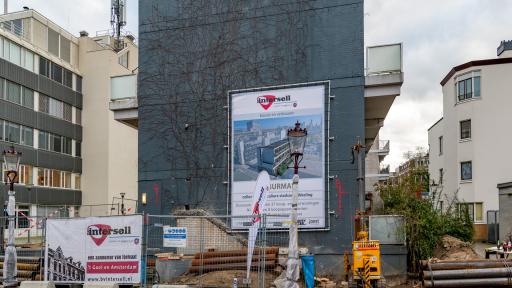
(203, 251)
(29, 239)
(197, 250)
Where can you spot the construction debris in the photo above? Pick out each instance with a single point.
(452, 248)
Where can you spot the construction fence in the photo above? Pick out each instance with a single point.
(209, 253)
(29, 237)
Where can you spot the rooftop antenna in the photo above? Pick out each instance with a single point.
(5, 6)
(118, 21)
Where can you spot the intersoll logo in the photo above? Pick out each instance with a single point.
(100, 232)
(267, 100)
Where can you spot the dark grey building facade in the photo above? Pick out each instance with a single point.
(193, 52)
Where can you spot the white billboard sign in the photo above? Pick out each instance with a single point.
(94, 249)
(175, 236)
(259, 123)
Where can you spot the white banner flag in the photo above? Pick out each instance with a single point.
(259, 198)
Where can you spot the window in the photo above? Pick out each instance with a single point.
(123, 60)
(1, 130)
(44, 103)
(68, 78)
(465, 129)
(468, 86)
(56, 178)
(441, 176)
(6, 49)
(56, 108)
(66, 145)
(43, 140)
(44, 66)
(56, 72)
(466, 170)
(78, 149)
(25, 174)
(440, 145)
(65, 50)
(77, 182)
(12, 132)
(55, 143)
(13, 92)
(28, 62)
(78, 116)
(15, 54)
(28, 98)
(53, 42)
(473, 210)
(27, 136)
(78, 83)
(40, 177)
(66, 179)
(68, 112)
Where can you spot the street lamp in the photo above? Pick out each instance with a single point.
(297, 141)
(11, 165)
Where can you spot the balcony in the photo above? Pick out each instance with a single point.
(123, 99)
(382, 149)
(383, 82)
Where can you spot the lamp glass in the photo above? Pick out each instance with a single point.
(143, 198)
(297, 144)
(11, 161)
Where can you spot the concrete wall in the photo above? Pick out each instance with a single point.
(490, 117)
(505, 218)
(109, 149)
(190, 56)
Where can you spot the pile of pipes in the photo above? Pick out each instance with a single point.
(467, 273)
(28, 268)
(233, 260)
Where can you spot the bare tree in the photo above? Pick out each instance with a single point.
(194, 57)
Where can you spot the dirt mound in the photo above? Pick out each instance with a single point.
(452, 248)
(223, 279)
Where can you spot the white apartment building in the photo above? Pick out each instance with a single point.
(469, 146)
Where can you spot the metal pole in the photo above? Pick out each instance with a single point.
(10, 252)
(360, 174)
(292, 264)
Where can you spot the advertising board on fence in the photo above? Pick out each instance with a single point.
(260, 119)
(175, 237)
(94, 249)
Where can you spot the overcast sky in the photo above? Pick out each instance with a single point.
(77, 15)
(436, 34)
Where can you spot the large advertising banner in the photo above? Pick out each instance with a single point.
(260, 120)
(94, 249)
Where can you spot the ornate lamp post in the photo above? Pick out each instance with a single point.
(11, 165)
(297, 141)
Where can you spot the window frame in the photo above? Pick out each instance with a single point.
(462, 178)
(463, 92)
(465, 135)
